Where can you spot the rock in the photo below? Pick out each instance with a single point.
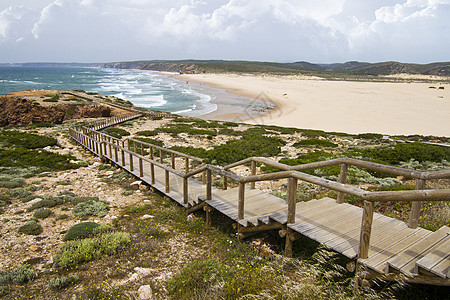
(145, 292)
(33, 248)
(143, 187)
(136, 184)
(34, 261)
(146, 217)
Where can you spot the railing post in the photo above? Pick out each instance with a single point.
(186, 165)
(415, 207)
(161, 156)
(141, 169)
(241, 201)
(343, 180)
(131, 163)
(366, 230)
(134, 147)
(116, 154)
(167, 182)
(204, 175)
(208, 184)
(253, 170)
(225, 182)
(185, 190)
(110, 148)
(122, 153)
(173, 160)
(152, 167)
(142, 149)
(291, 199)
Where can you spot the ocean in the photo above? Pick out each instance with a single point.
(144, 89)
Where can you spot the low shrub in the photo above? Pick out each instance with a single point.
(59, 283)
(91, 208)
(80, 231)
(4, 290)
(18, 193)
(151, 141)
(47, 202)
(85, 250)
(31, 227)
(42, 213)
(27, 140)
(147, 133)
(116, 132)
(369, 136)
(314, 143)
(22, 274)
(404, 152)
(9, 181)
(176, 129)
(77, 200)
(21, 157)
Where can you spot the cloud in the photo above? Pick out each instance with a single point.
(12, 21)
(335, 30)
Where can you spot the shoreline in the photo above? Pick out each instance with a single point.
(393, 108)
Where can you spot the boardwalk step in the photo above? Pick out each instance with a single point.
(405, 261)
(437, 261)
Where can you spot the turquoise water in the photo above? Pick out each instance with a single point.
(143, 89)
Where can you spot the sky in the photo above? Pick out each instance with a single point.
(325, 31)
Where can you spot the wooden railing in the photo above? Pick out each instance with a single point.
(107, 146)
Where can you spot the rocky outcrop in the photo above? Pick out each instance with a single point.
(16, 111)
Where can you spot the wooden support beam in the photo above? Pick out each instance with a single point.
(208, 209)
(263, 227)
(288, 249)
(415, 207)
(195, 208)
(343, 180)
(172, 158)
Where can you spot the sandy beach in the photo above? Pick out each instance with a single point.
(341, 106)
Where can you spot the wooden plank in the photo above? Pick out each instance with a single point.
(348, 245)
(437, 261)
(405, 262)
(378, 262)
(442, 269)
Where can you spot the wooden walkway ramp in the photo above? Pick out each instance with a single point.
(384, 245)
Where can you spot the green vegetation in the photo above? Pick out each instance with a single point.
(59, 283)
(26, 140)
(315, 143)
(22, 274)
(403, 152)
(91, 208)
(116, 132)
(76, 252)
(31, 228)
(147, 133)
(54, 98)
(43, 159)
(150, 141)
(42, 213)
(80, 231)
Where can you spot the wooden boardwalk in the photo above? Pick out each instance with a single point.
(393, 247)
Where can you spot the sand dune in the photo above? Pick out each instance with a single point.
(343, 106)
